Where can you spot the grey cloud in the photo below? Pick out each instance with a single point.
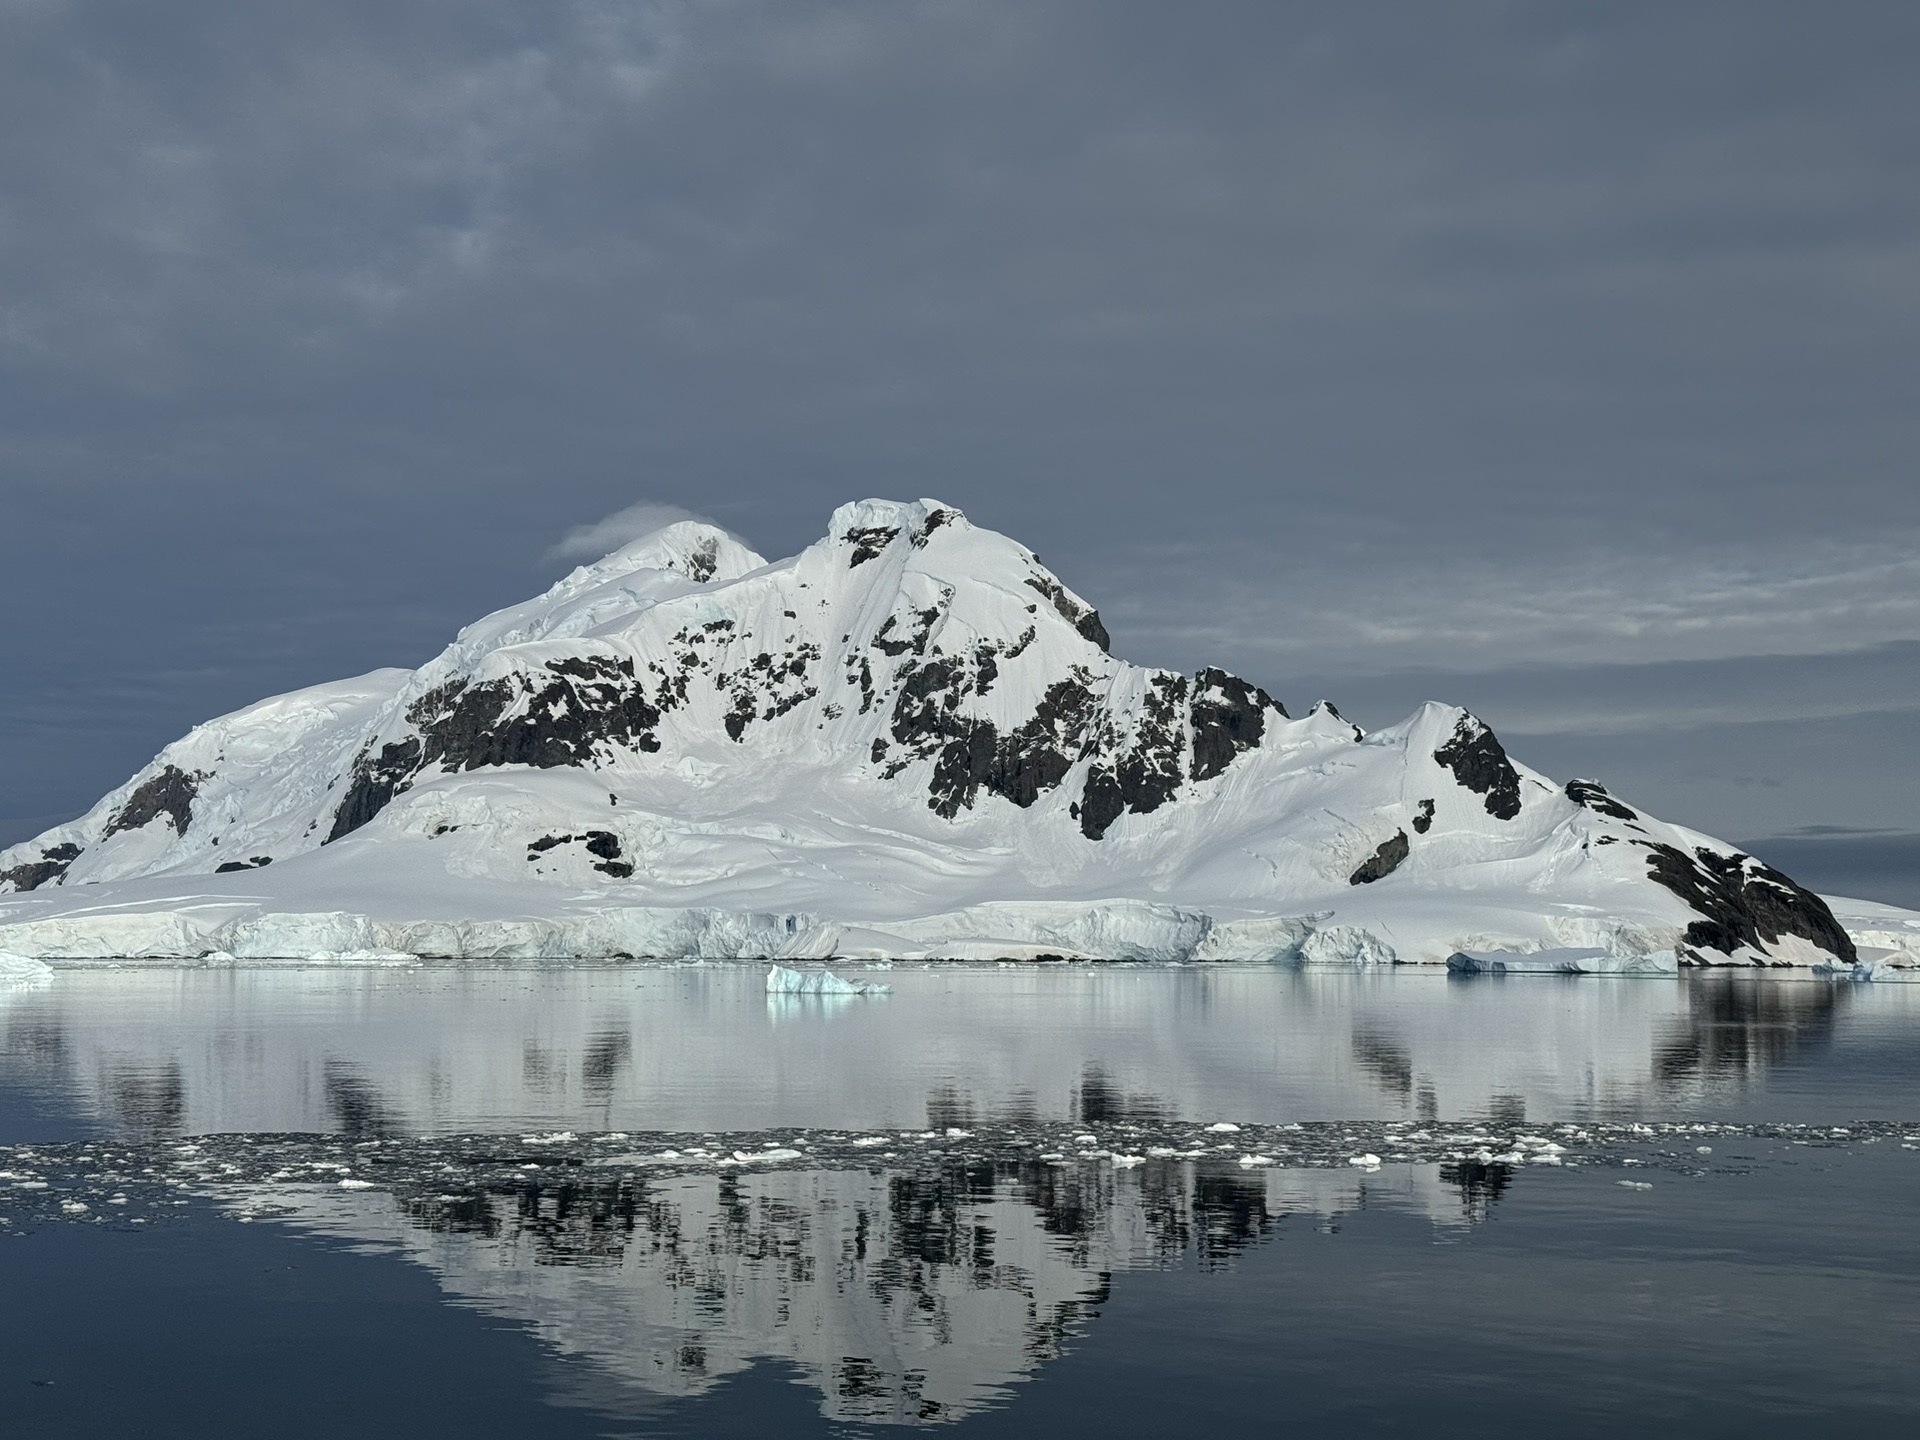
(1315, 339)
(1883, 867)
(1571, 604)
(1676, 695)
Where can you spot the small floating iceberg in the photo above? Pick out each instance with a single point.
(782, 981)
(1883, 968)
(1561, 962)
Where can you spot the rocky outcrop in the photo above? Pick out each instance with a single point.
(585, 705)
(1743, 904)
(1480, 764)
(1384, 861)
(54, 862)
(1593, 795)
(1229, 716)
(170, 793)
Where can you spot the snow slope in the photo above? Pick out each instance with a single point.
(908, 740)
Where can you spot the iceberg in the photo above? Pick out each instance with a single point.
(782, 981)
(1883, 970)
(1561, 962)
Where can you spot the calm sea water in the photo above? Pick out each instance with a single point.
(656, 1200)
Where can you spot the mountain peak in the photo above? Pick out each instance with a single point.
(696, 549)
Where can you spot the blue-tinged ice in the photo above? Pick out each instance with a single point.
(1561, 962)
(782, 981)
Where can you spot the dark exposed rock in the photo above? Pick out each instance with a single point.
(704, 560)
(887, 643)
(1101, 803)
(591, 701)
(922, 709)
(375, 781)
(603, 845)
(971, 753)
(1593, 795)
(257, 862)
(738, 718)
(986, 667)
(1479, 764)
(53, 864)
(965, 763)
(784, 703)
(934, 521)
(891, 642)
(1423, 818)
(869, 542)
(1383, 862)
(1068, 725)
(1090, 628)
(1228, 716)
(1084, 618)
(1036, 757)
(1743, 902)
(1147, 774)
(169, 793)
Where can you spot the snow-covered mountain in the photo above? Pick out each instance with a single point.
(908, 740)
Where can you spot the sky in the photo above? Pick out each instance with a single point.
(1553, 359)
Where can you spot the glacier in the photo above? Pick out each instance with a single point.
(908, 741)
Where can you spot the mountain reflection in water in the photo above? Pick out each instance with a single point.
(432, 1049)
(1736, 1026)
(902, 1297)
(914, 1203)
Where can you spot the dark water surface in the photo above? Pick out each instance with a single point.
(632, 1200)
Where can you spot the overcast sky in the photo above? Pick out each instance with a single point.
(1558, 360)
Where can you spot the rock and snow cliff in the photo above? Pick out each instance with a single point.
(908, 740)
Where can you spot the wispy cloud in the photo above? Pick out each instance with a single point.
(1461, 610)
(590, 542)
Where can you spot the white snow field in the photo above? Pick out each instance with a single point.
(908, 741)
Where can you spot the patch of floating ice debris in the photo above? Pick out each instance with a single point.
(257, 1176)
(782, 981)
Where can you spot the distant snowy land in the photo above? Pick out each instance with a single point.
(909, 741)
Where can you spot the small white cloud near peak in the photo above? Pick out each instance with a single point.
(623, 527)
